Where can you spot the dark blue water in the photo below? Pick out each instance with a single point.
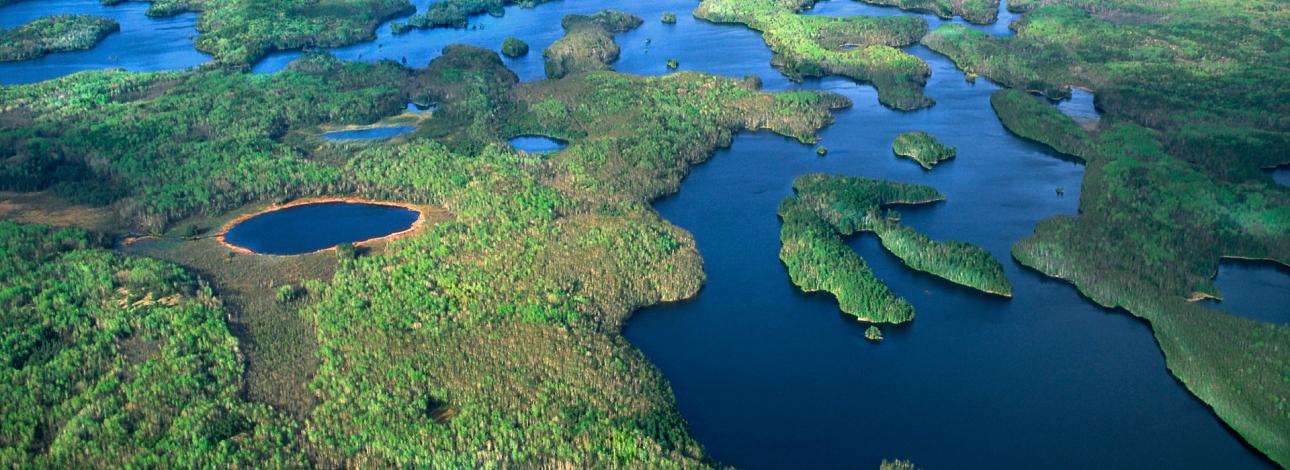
(771, 378)
(142, 44)
(312, 227)
(1254, 289)
(369, 133)
(537, 144)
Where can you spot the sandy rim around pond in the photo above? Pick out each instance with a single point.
(423, 212)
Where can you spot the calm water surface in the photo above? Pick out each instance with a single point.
(537, 144)
(143, 44)
(1254, 289)
(312, 227)
(769, 377)
(369, 133)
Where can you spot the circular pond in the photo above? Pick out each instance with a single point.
(537, 144)
(310, 227)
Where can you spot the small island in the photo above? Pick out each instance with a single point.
(588, 42)
(873, 333)
(826, 208)
(669, 18)
(514, 47)
(52, 34)
(923, 148)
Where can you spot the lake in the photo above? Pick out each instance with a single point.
(769, 377)
(311, 227)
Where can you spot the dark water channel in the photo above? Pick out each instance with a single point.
(769, 377)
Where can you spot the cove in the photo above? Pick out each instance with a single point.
(537, 144)
(369, 133)
(1254, 289)
(311, 227)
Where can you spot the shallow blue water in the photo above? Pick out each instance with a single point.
(769, 377)
(537, 144)
(143, 44)
(369, 133)
(312, 227)
(1254, 289)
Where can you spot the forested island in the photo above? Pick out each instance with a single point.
(588, 43)
(812, 46)
(827, 208)
(54, 34)
(922, 148)
(854, 204)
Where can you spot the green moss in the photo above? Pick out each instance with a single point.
(588, 42)
(514, 47)
(812, 46)
(921, 147)
(54, 34)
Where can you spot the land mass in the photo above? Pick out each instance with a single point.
(526, 285)
(54, 34)
(922, 148)
(588, 43)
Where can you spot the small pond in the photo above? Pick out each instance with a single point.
(370, 133)
(537, 144)
(308, 228)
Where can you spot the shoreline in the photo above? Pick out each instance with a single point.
(421, 211)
